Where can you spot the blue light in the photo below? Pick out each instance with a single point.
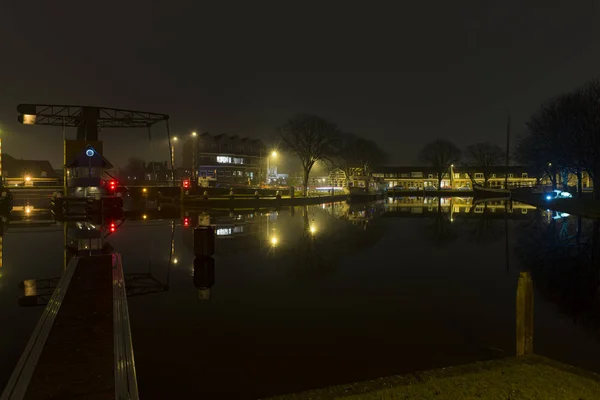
(89, 152)
(548, 197)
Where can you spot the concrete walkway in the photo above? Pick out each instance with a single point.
(526, 377)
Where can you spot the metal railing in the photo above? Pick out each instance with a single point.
(21, 376)
(125, 376)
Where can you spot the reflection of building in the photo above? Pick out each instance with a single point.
(224, 158)
(456, 207)
(457, 177)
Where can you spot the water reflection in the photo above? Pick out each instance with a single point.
(416, 282)
(562, 254)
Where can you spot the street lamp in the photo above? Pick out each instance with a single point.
(194, 146)
(274, 155)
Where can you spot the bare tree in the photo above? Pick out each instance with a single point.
(440, 154)
(311, 138)
(353, 151)
(485, 156)
(563, 136)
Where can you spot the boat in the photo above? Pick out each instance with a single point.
(481, 191)
(368, 190)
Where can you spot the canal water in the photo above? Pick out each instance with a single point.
(306, 297)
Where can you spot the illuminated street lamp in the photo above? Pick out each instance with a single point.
(272, 155)
(27, 178)
(274, 241)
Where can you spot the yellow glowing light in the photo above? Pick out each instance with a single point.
(175, 138)
(194, 134)
(28, 209)
(144, 216)
(27, 178)
(313, 229)
(274, 154)
(274, 241)
(29, 119)
(174, 261)
(144, 190)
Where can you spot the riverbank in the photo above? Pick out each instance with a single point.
(251, 202)
(586, 207)
(526, 377)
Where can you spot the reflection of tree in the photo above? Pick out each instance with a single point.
(564, 265)
(486, 229)
(441, 231)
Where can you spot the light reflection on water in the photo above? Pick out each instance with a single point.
(306, 297)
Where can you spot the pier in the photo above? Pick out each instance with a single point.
(81, 346)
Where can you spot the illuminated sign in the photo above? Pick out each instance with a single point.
(89, 152)
(223, 159)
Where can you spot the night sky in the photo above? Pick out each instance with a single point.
(401, 74)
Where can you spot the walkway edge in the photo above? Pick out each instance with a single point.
(125, 375)
(19, 380)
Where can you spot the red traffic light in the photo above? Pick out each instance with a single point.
(186, 221)
(112, 227)
(186, 184)
(112, 185)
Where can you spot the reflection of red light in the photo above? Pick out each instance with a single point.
(186, 221)
(186, 184)
(112, 227)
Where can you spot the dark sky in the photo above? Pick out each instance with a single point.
(402, 73)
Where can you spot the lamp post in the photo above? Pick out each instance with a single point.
(175, 139)
(274, 155)
(451, 176)
(194, 167)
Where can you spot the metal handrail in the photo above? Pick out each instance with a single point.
(125, 375)
(19, 380)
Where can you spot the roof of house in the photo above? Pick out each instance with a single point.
(458, 169)
(84, 159)
(15, 168)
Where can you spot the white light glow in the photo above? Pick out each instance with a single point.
(175, 261)
(274, 241)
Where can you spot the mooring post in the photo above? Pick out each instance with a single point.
(524, 314)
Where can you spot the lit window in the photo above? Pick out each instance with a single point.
(524, 175)
(510, 175)
(479, 175)
(223, 159)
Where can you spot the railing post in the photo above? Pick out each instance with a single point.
(524, 314)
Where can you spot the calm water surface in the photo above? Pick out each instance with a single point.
(308, 297)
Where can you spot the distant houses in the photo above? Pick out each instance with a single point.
(28, 172)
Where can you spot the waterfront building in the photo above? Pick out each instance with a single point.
(224, 158)
(458, 177)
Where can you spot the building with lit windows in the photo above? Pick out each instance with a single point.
(27, 172)
(420, 178)
(224, 158)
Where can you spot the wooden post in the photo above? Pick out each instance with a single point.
(524, 314)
